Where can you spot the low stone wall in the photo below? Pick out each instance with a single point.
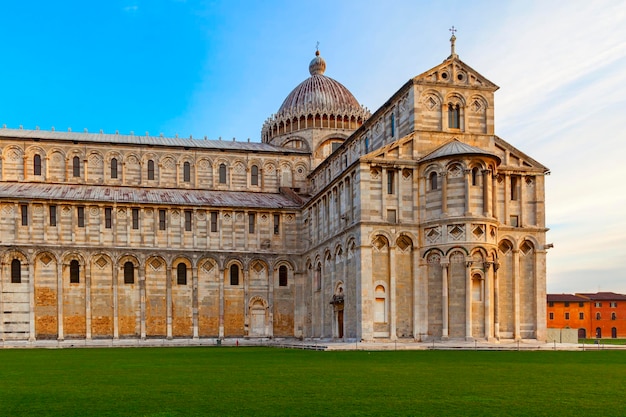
(562, 336)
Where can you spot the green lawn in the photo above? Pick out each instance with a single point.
(266, 381)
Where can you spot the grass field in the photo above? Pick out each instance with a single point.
(266, 381)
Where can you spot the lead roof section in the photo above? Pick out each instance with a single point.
(137, 195)
(118, 139)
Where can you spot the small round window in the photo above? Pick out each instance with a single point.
(460, 77)
(444, 75)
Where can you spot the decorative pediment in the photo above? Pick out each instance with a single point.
(455, 72)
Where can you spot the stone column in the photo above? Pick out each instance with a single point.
(487, 292)
(364, 316)
(496, 305)
(168, 300)
(418, 289)
(516, 289)
(468, 299)
(87, 299)
(270, 300)
(2, 267)
(392, 292)
(116, 317)
(194, 299)
(444, 299)
(246, 300)
(444, 193)
(31, 300)
(61, 334)
(486, 196)
(494, 195)
(142, 302)
(507, 196)
(468, 209)
(221, 320)
(522, 221)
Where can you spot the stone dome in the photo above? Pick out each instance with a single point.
(319, 92)
(317, 96)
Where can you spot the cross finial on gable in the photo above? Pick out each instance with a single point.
(452, 41)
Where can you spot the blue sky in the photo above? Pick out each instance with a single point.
(220, 68)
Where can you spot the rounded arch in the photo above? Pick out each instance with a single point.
(38, 255)
(454, 98)
(69, 256)
(128, 257)
(150, 156)
(380, 232)
(426, 94)
(13, 253)
(433, 252)
(435, 167)
(35, 149)
(478, 251)
(404, 242)
(479, 99)
(12, 148)
(204, 161)
(507, 243)
(461, 249)
(112, 154)
(258, 301)
(454, 163)
(286, 262)
(532, 240)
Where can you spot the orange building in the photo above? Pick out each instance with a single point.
(568, 311)
(608, 315)
(595, 315)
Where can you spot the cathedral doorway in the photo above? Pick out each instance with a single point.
(337, 303)
(340, 324)
(258, 318)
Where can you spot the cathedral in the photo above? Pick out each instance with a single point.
(415, 222)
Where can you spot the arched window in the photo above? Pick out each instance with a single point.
(181, 274)
(318, 278)
(613, 316)
(74, 272)
(37, 164)
(16, 271)
(222, 174)
(598, 316)
(433, 181)
(76, 167)
(186, 172)
(113, 168)
(475, 176)
(454, 116)
(234, 275)
(380, 306)
(282, 276)
(150, 169)
(129, 273)
(254, 175)
(477, 293)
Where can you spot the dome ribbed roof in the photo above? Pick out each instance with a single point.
(319, 92)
